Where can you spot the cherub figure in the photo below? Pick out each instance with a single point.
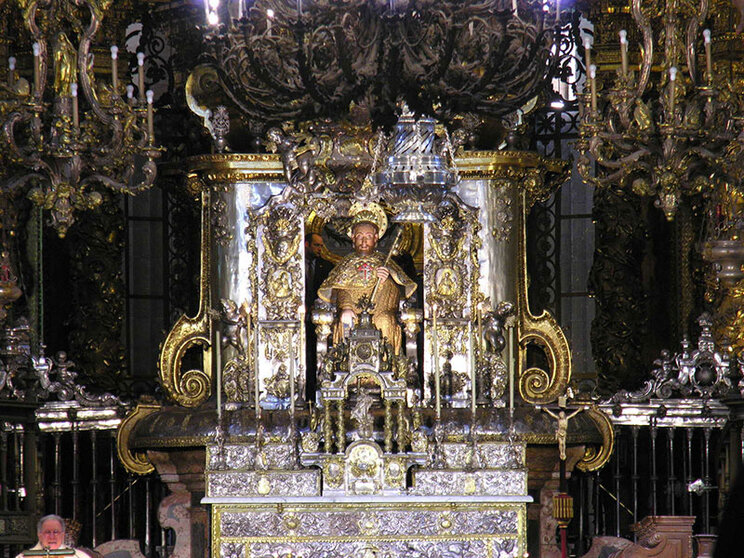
(235, 326)
(298, 161)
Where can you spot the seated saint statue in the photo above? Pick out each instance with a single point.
(356, 275)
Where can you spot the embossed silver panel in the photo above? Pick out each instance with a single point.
(263, 483)
(409, 528)
(480, 483)
(491, 455)
(243, 456)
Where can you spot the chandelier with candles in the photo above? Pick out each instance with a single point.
(63, 134)
(283, 60)
(664, 127)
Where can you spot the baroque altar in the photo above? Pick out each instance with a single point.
(363, 374)
(367, 449)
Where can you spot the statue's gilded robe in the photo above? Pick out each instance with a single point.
(355, 277)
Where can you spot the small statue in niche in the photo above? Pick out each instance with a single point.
(278, 384)
(362, 416)
(447, 380)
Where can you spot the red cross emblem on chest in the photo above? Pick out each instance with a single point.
(365, 269)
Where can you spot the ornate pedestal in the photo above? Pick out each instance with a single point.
(411, 526)
(473, 506)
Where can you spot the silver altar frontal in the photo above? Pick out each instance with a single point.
(457, 511)
(274, 510)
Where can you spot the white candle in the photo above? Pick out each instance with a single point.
(624, 51)
(256, 374)
(130, 92)
(37, 68)
(141, 75)
(708, 56)
(269, 17)
(435, 342)
(672, 92)
(114, 68)
(291, 371)
(150, 127)
(480, 330)
(558, 11)
(587, 52)
(473, 369)
(511, 367)
(218, 370)
(593, 85)
(11, 70)
(212, 17)
(75, 116)
(301, 341)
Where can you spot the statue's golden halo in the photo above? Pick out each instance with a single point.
(368, 212)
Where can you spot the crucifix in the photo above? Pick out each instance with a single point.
(562, 501)
(561, 431)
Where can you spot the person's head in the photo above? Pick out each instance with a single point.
(364, 237)
(314, 244)
(51, 531)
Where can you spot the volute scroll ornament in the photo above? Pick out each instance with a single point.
(594, 459)
(134, 462)
(192, 387)
(538, 386)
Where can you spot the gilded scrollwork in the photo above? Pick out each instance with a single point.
(192, 387)
(594, 459)
(135, 462)
(536, 385)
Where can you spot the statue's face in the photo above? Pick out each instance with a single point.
(364, 237)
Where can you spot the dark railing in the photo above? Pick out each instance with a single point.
(61, 458)
(671, 457)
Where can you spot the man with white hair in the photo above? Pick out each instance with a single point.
(51, 533)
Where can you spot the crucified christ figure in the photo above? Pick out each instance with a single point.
(561, 431)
